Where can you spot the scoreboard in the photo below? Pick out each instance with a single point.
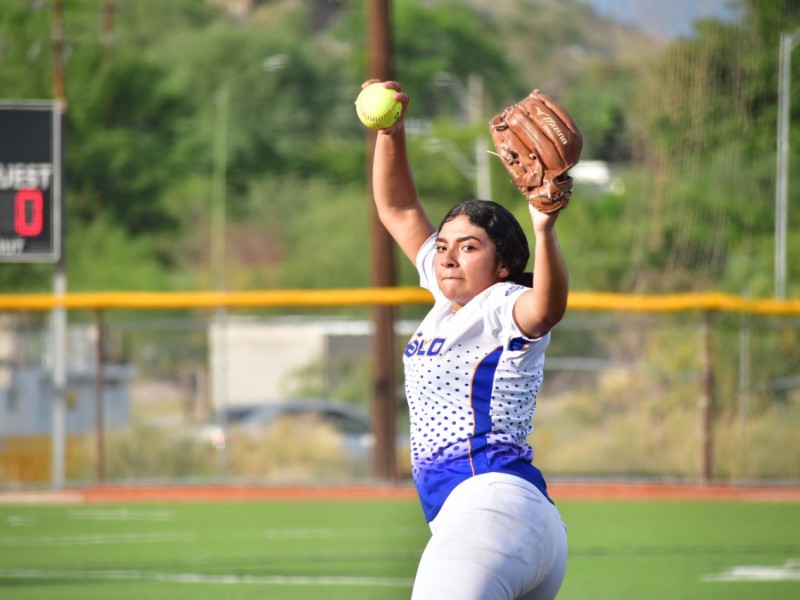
(30, 181)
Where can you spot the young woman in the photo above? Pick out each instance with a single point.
(473, 369)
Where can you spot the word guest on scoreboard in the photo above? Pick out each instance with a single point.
(30, 181)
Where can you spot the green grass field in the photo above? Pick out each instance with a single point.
(369, 549)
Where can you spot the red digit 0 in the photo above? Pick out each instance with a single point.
(28, 224)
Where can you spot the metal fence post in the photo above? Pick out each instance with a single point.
(99, 376)
(707, 402)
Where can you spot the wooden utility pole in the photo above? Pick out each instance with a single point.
(384, 397)
(107, 38)
(58, 50)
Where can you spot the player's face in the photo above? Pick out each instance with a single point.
(465, 263)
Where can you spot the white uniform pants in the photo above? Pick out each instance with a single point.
(496, 538)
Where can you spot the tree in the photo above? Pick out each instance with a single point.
(448, 36)
(704, 128)
(121, 127)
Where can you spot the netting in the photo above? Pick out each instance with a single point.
(698, 204)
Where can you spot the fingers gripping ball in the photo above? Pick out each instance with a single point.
(377, 108)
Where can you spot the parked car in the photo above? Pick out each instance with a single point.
(351, 426)
(351, 423)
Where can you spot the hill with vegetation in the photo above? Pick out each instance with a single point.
(689, 125)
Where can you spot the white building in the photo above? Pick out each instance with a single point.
(599, 175)
(254, 360)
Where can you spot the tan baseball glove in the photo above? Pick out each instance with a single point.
(539, 143)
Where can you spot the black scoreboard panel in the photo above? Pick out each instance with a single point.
(30, 182)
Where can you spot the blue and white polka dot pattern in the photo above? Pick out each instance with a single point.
(471, 383)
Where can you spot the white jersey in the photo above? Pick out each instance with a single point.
(471, 381)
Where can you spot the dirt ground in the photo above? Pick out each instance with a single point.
(559, 491)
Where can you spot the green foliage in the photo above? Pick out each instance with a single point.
(598, 103)
(691, 123)
(274, 111)
(439, 159)
(447, 36)
(146, 25)
(321, 233)
(770, 17)
(593, 243)
(103, 255)
(705, 123)
(121, 124)
(26, 58)
(26, 278)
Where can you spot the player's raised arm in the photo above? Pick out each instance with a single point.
(539, 310)
(538, 142)
(393, 187)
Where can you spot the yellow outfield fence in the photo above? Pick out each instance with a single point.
(589, 301)
(702, 386)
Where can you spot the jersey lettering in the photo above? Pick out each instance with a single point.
(424, 347)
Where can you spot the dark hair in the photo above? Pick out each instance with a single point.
(510, 242)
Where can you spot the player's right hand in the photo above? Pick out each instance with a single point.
(400, 96)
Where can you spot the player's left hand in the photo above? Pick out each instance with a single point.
(543, 222)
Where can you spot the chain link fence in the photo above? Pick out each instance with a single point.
(702, 390)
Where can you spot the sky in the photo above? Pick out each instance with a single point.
(665, 18)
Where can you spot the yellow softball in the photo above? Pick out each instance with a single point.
(377, 108)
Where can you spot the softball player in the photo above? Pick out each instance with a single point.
(473, 369)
